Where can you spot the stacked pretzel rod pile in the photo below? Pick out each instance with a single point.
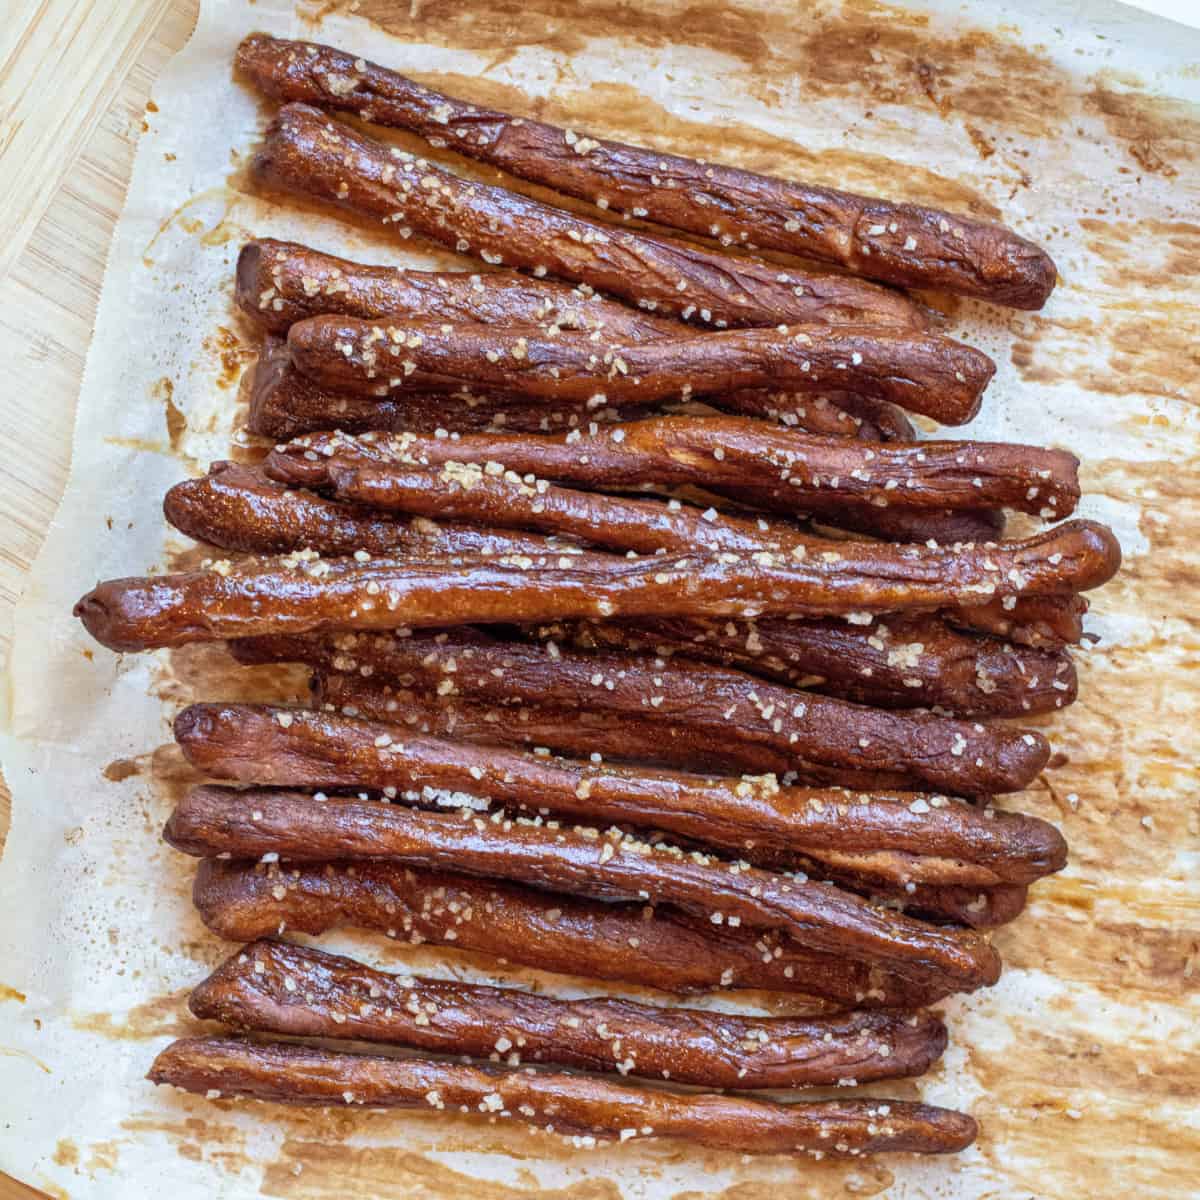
(647, 641)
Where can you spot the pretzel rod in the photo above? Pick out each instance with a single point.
(962, 757)
(391, 485)
(976, 908)
(280, 747)
(274, 987)
(903, 661)
(888, 875)
(577, 732)
(238, 508)
(283, 404)
(627, 943)
(1050, 621)
(306, 152)
(922, 372)
(899, 243)
(1046, 622)
(577, 860)
(581, 1108)
(468, 492)
(279, 283)
(301, 594)
(791, 471)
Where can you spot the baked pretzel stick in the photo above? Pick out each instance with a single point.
(279, 283)
(577, 860)
(790, 471)
(626, 943)
(916, 660)
(836, 414)
(577, 732)
(284, 747)
(905, 244)
(303, 595)
(238, 508)
(283, 404)
(976, 908)
(582, 1108)
(275, 987)
(962, 757)
(922, 372)
(600, 737)
(641, 526)
(306, 152)
(506, 500)
(1046, 622)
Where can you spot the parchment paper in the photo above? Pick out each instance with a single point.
(1080, 125)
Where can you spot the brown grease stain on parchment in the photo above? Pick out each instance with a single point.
(161, 1017)
(193, 1128)
(882, 55)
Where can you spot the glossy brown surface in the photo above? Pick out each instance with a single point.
(797, 471)
(307, 153)
(922, 372)
(899, 243)
(279, 283)
(294, 595)
(634, 943)
(572, 1105)
(574, 731)
(576, 860)
(237, 508)
(898, 661)
(275, 987)
(940, 841)
(961, 757)
(283, 404)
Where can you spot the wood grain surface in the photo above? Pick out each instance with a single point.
(75, 77)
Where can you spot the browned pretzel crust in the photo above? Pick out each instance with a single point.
(577, 860)
(628, 943)
(922, 372)
(824, 476)
(945, 841)
(583, 1108)
(280, 283)
(297, 991)
(977, 908)
(831, 504)
(304, 594)
(779, 469)
(900, 243)
(1048, 622)
(962, 757)
(237, 508)
(306, 152)
(283, 404)
(576, 732)
(914, 660)
(888, 875)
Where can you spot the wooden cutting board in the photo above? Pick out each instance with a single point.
(75, 78)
